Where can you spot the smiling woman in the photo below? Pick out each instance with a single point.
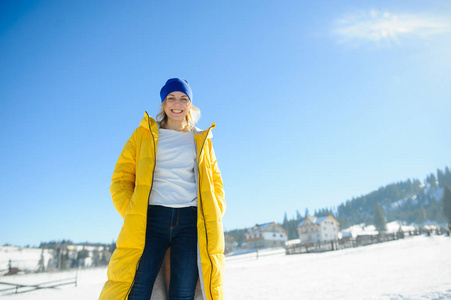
(177, 111)
(168, 188)
(176, 107)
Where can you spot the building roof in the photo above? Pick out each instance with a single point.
(316, 220)
(396, 226)
(362, 229)
(258, 228)
(359, 229)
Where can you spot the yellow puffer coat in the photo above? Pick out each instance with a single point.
(130, 187)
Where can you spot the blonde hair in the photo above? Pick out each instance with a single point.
(191, 117)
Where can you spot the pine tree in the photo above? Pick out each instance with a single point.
(96, 257)
(440, 178)
(344, 222)
(81, 256)
(446, 203)
(63, 261)
(298, 216)
(113, 246)
(379, 219)
(431, 180)
(422, 215)
(41, 263)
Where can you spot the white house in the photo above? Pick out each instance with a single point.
(314, 229)
(265, 236)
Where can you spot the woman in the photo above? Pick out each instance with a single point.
(168, 188)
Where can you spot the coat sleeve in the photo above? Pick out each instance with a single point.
(123, 180)
(217, 181)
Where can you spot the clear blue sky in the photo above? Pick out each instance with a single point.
(315, 102)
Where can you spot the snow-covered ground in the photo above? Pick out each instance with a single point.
(413, 268)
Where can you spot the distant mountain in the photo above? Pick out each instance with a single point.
(408, 201)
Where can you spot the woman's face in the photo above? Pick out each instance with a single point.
(176, 106)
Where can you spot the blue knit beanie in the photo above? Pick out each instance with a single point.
(176, 85)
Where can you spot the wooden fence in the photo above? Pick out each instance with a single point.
(360, 240)
(18, 288)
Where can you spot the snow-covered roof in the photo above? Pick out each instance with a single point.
(360, 229)
(395, 226)
(293, 242)
(314, 220)
(258, 228)
(430, 227)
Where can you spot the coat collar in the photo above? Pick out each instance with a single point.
(149, 121)
(208, 132)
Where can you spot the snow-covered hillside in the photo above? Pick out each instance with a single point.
(25, 259)
(413, 268)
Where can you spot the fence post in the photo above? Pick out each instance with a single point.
(76, 277)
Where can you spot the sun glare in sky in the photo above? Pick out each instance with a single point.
(384, 28)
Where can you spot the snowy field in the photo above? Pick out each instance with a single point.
(23, 258)
(414, 268)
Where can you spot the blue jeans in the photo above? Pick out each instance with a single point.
(175, 228)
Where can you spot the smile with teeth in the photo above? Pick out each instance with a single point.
(176, 111)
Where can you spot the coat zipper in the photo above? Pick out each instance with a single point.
(203, 214)
(151, 185)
